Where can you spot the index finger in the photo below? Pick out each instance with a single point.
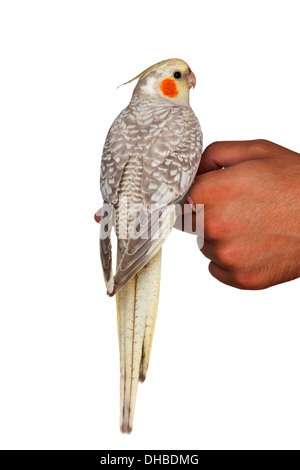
(208, 187)
(223, 154)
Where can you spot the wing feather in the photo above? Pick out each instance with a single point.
(139, 250)
(169, 139)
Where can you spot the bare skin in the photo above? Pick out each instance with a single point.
(252, 212)
(251, 196)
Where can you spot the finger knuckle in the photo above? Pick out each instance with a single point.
(217, 228)
(211, 148)
(246, 280)
(260, 146)
(226, 255)
(212, 229)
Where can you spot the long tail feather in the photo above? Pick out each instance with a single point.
(137, 306)
(151, 313)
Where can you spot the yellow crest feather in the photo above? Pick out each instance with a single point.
(175, 62)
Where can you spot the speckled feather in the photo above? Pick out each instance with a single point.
(164, 142)
(150, 158)
(169, 141)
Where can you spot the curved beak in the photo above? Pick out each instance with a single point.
(192, 80)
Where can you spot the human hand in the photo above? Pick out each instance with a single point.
(97, 215)
(252, 212)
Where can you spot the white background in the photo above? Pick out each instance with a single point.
(224, 371)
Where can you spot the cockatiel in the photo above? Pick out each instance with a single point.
(150, 158)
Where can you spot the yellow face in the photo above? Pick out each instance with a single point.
(171, 79)
(178, 83)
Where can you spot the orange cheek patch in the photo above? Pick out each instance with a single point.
(169, 88)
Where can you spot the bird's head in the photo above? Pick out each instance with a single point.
(170, 79)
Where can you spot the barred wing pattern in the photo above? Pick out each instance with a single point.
(171, 162)
(169, 141)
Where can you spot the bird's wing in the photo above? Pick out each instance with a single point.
(170, 162)
(116, 153)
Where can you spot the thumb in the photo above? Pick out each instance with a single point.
(98, 215)
(222, 154)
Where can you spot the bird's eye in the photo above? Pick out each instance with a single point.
(177, 75)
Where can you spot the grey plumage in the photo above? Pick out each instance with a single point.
(159, 145)
(150, 158)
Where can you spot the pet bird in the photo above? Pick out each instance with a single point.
(150, 158)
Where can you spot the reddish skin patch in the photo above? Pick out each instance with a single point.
(169, 88)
